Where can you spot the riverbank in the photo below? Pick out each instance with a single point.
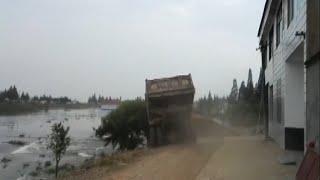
(220, 153)
(32, 158)
(16, 108)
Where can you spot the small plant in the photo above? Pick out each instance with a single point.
(58, 142)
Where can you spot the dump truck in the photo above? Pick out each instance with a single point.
(169, 104)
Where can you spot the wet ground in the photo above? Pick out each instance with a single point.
(33, 158)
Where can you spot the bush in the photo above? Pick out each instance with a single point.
(126, 127)
(58, 142)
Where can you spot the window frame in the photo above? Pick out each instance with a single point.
(279, 101)
(278, 25)
(270, 42)
(290, 11)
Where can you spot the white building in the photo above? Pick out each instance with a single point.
(282, 41)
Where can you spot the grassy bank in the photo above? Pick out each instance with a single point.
(15, 109)
(100, 167)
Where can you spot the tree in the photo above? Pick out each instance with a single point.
(242, 91)
(100, 99)
(233, 97)
(127, 126)
(210, 99)
(58, 142)
(93, 99)
(27, 97)
(12, 93)
(35, 99)
(250, 89)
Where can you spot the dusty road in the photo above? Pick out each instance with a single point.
(219, 154)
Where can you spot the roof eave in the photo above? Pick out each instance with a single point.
(263, 17)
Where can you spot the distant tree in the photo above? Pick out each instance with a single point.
(22, 96)
(100, 99)
(12, 93)
(35, 99)
(209, 104)
(93, 99)
(27, 97)
(260, 84)
(2, 96)
(210, 99)
(242, 92)
(233, 97)
(58, 142)
(250, 89)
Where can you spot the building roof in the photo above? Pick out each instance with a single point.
(269, 13)
(263, 17)
(170, 86)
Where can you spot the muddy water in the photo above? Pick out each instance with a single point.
(34, 128)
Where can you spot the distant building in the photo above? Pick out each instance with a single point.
(289, 44)
(110, 104)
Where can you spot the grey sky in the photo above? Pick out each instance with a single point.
(77, 47)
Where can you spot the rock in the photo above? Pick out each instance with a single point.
(17, 142)
(47, 163)
(100, 152)
(85, 155)
(42, 155)
(5, 160)
(25, 165)
(23, 177)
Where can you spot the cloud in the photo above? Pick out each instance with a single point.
(180, 11)
(110, 47)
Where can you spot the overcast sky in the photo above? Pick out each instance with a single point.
(78, 47)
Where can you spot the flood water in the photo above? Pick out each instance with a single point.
(34, 128)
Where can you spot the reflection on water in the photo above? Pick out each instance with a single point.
(34, 129)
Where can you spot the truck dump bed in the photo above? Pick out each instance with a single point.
(169, 107)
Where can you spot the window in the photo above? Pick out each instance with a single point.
(279, 22)
(290, 11)
(264, 57)
(271, 104)
(270, 45)
(278, 102)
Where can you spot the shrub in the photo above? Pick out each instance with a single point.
(58, 142)
(126, 127)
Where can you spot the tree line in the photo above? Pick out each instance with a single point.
(241, 102)
(11, 95)
(101, 99)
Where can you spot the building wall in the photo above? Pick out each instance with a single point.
(294, 97)
(313, 72)
(313, 105)
(276, 67)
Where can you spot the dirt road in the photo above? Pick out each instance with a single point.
(219, 154)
